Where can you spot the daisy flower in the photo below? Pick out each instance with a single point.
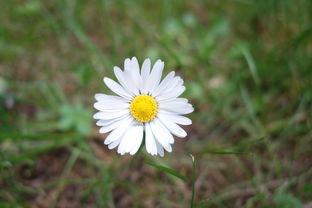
(143, 103)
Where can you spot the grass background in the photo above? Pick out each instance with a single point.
(248, 71)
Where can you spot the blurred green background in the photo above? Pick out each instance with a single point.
(247, 66)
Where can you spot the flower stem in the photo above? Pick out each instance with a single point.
(193, 181)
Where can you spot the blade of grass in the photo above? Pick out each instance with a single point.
(225, 152)
(249, 143)
(247, 99)
(251, 65)
(167, 170)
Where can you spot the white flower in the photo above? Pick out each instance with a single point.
(144, 102)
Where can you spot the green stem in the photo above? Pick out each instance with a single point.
(193, 181)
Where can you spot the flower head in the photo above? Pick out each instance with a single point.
(143, 103)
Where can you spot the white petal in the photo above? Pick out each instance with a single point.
(103, 106)
(113, 125)
(118, 132)
(150, 142)
(110, 115)
(172, 94)
(100, 96)
(106, 122)
(180, 108)
(155, 76)
(173, 128)
(169, 148)
(132, 139)
(114, 144)
(174, 84)
(176, 100)
(145, 72)
(116, 88)
(107, 98)
(125, 82)
(164, 84)
(127, 64)
(136, 68)
(160, 149)
(137, 139)
(162, 134)
(132, 72)
(135, 63)
(124, 144)
(176, 118)
(181, 82)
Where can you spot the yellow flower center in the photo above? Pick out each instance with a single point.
(143, 108)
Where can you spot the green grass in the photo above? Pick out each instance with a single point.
(248, 71)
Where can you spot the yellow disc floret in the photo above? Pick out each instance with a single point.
(143, 108)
